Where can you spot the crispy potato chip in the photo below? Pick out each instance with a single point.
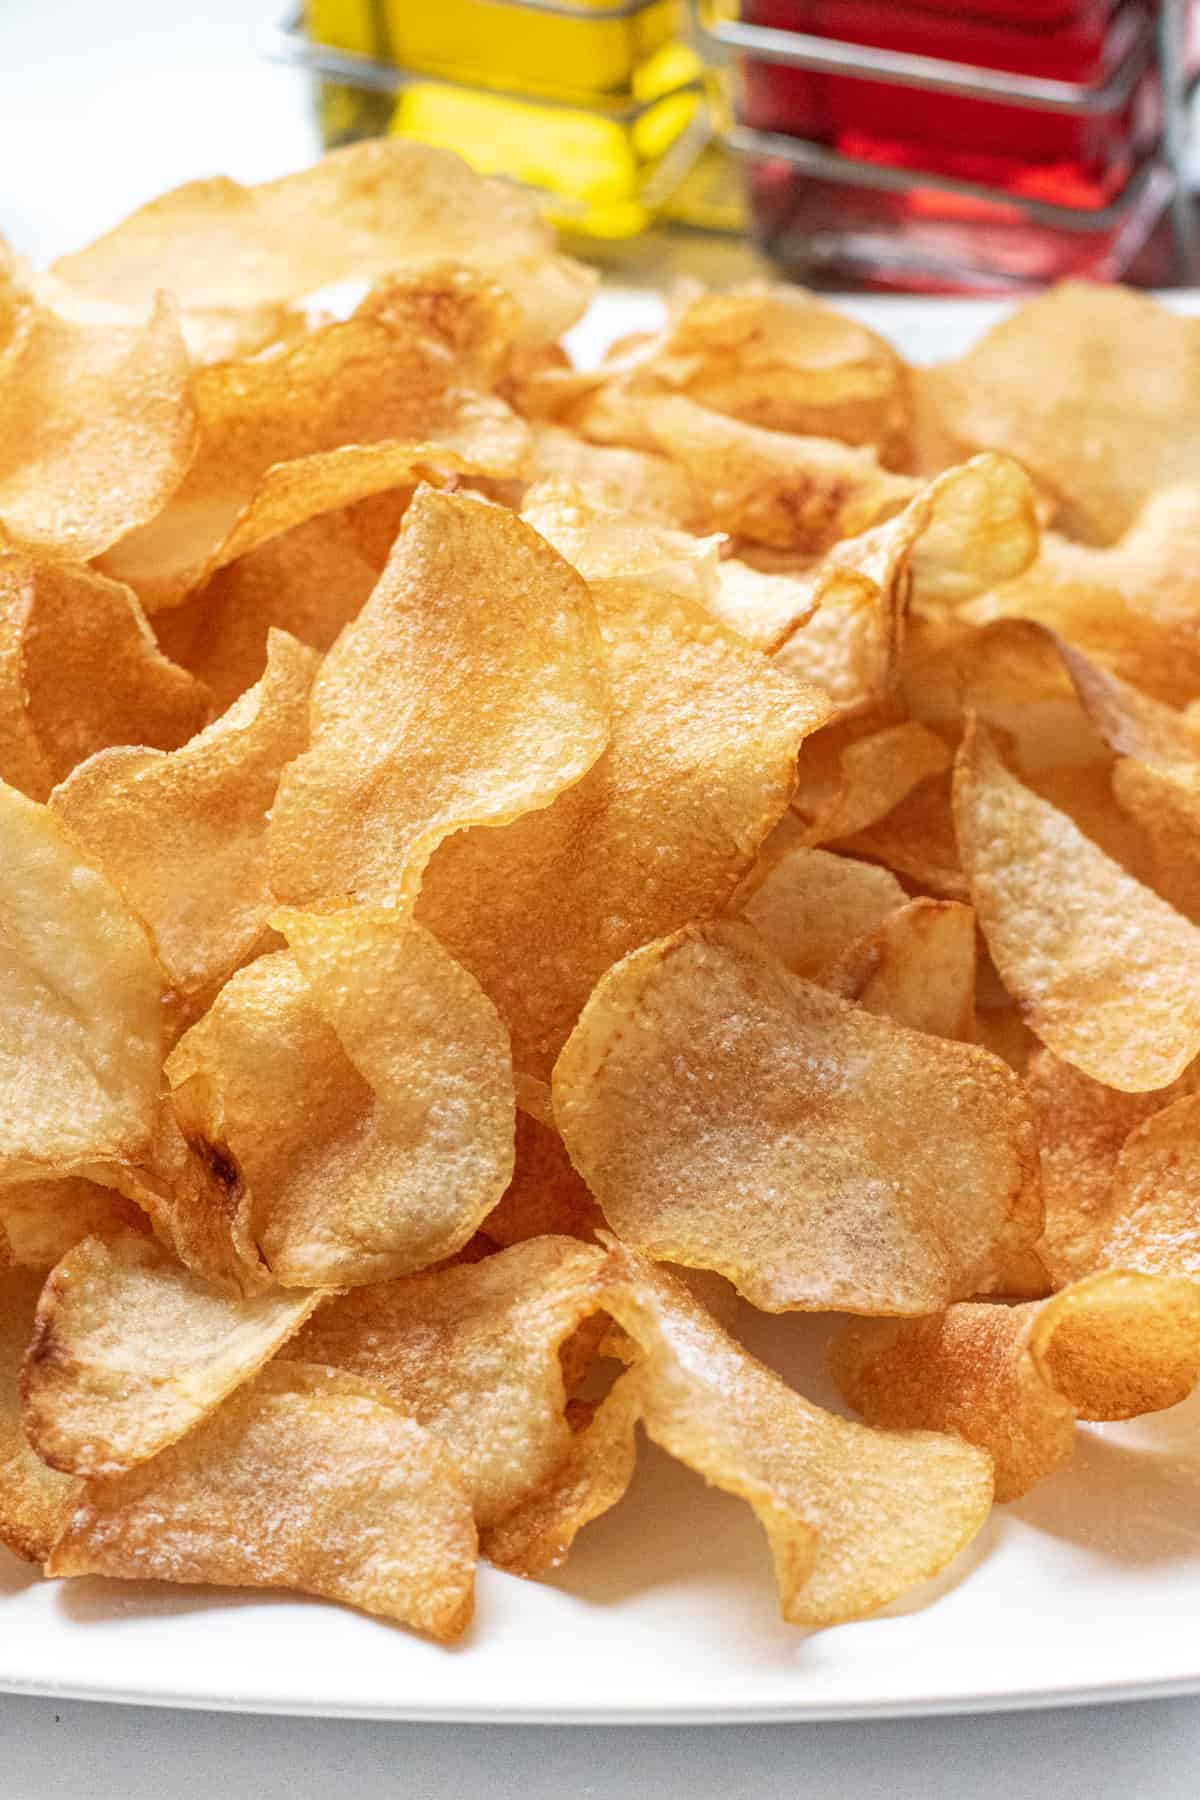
(812, 906)
(1154, 1210)
(730, 1116)
(183, 835)
(793, 492)
(608, 542)
(853, 1517)
(470, 690)
(537, 1534)
(80, 1025)
(916, 967)
(309, 582)
(304, 1479)
(769, 355)
(99, 429)
(45, 1219)
(847, 784)
(1093, 389)
(1014, 1379)
(646, 482)
(361, 1086)
(973, 526)
(1082, 1127)
(58, 625)
(130, 1352)
(1106, 973)
(367, 210)
(546, 1196)
(917, 840)
(1133, 607)
(351, 409)
(1165, 802)
(472, 1353)
(700, 766)
(35, 1502)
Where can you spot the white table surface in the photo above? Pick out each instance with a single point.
(103, 102)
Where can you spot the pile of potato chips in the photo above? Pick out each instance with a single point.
(486, 842)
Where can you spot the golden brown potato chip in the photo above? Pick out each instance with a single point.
(854, 1517)
(770, 355)
(80, 1025)
(309, 582)
(730, 1116)
(1154, 1210)
(1082, 1127)
(99, 429)
(916, 967)
(469, 690)
(699, 768)
(793, 492)
(183, 835)
(1132, 607)
(917, 840)
(1014, 1379)
(361, 1086)
(546, 1196)
(45, 1219)
(365, 211)
(1165, 802)
(811, 906)
(59, 625)
(973, 526)
(1106, 973)
(471, 1353)
(640, 480)
(130, 1352)
(304, 1479)
(848, 784)
(1093, 389)
(351, 409)
(35, 1502)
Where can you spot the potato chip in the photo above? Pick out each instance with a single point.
(130, 1352)
(592, 1477)
(917, 841)
(308, 582)
(80, 1026)
(1154, 1210)
(354, 408)
(1165, 802)
(853, 1517)
(304, 1479)
(1014, 1379)
(645, 481)
(1082, 1127)
(361, 1085)
(472, 1354)
(848, 783)
(35, 1502)
(916, 967)
(45, 1219)
(793, 492)
(469, 691)
(1101, 967)
(607, 542)
(812, 906)
(700, 766)
(730, 1116)
(1132, 607)
(973, 526)
(58, 623)
(99, 429)
(546, 1196)
(183, 834)
(1092, 389)
(367, 210)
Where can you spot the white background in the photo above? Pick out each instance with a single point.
(103, 102)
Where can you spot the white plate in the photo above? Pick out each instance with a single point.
(1087, 1590)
